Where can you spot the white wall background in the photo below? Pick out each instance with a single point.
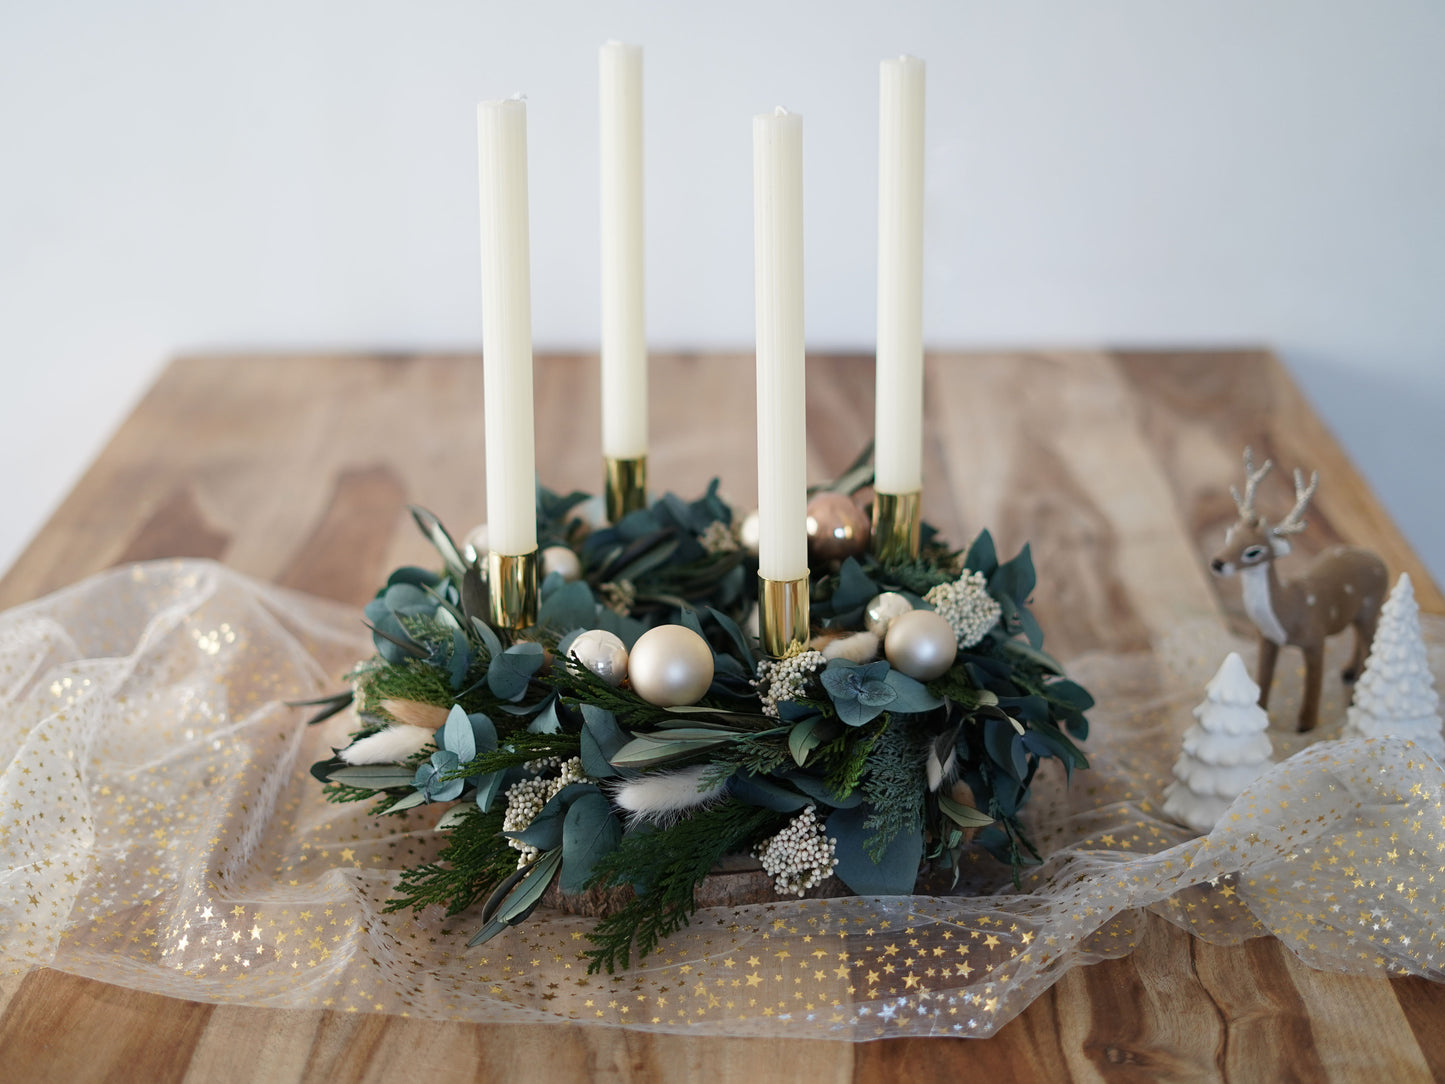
(178, 175)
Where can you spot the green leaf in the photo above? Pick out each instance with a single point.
(740, 641)
(855, 589)
(601, 739)
(517, 895)
(492, 784)
(1070, 693)
(415, 798)
(1014, 579)
(822, 793)
(457, 735)
(394, 646)
(962, 815)
(1005, 748)
(512, 670)
(546, 721)
(461, 659)
(588, 832)
(474, 595)
(569, 607)
(433, 529)
(805, 737)
(488, 637)
(330, 705)
(1042, 659)
(373, 776)
(545, 831)
(761, 791)
(646, 750)
(981, 556)
(893, 875)
(911, 697)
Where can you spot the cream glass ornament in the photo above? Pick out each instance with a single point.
(476, 545)
(603, 653)
(749, 532)
(882, 609)
(561, 559)
(920, 644)
(670, 666)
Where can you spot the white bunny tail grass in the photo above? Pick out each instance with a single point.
(415, 713)
(663, 797)
(389, 746)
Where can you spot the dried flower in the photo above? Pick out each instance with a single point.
(781, 680)
(967, 606)
(799, 857)
(718, 537)
(526, 798)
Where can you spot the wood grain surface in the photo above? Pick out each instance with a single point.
(1114, 465)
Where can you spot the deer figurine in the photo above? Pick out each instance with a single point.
(1343, 586)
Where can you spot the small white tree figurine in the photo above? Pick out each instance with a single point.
(1223, 752)
(1396, 694)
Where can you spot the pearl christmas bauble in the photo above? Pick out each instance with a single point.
(750, 532)
(603, 653)
(561, 559)
(921, 644)
(476, 545)
(670, 666)
(881, 611)
(837, 528)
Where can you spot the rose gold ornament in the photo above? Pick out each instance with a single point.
(837, 528)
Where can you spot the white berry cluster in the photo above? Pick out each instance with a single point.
(718, 537)
(967, 606)
(800, 856)
(784, 679)
(526, 798)
(619, 595)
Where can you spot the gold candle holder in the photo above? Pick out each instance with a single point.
(513, 589)
(896, 521)
(782, 614)
(626, 486)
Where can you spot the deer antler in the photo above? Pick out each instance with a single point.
(1252, 479)
(1293, 523)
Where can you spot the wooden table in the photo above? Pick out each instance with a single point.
(1115, 465)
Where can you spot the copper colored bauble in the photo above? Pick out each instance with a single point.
(920, 644)
(563, 560)
(837, 528)
(603, 653)
(670, 666)
(881, 611)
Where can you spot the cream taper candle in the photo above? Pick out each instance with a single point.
(624, 343)
(898, 454)
(778, 294)
(507, 327)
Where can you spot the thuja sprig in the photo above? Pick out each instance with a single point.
(667, 865)
(516, 750)
(845, 759)
(894, 788)
(475, 859)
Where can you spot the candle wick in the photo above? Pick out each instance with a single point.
(517, 97)
(780, 112)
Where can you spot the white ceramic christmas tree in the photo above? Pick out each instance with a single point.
(1224, 751)
(1396, 695)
